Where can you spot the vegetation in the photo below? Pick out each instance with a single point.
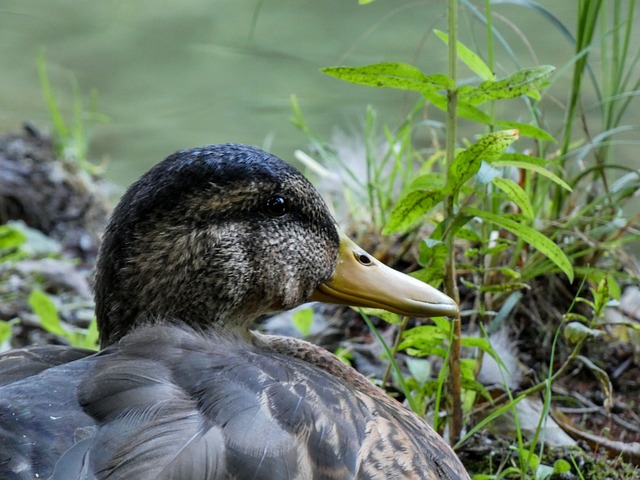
(506, 218)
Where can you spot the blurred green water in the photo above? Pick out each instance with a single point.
(172, 75)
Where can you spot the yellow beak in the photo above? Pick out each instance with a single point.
(360, 280)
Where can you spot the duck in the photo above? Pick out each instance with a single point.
(197, 249)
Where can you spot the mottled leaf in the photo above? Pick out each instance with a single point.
(520, 83)
(468, 161)
(410, 209)
(391, 75)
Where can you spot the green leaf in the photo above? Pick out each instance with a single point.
(535, 164)
(429, 181)
(469, 58)
(391, 75)
(515, 194)
(526, 130)
(520, 83)
(576, 332)
(468, 234)
(303, 320)
(10, 237)
(419, 369)
(10, 241)
(433, 254)
(410, 209)
(424, 340)
(388, 317)
(561, 466)
(5, 330)
(90, 338)
(468, 161)
(44, 307)
(465, 109)
(529, 235)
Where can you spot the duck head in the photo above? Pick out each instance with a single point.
(216, 236)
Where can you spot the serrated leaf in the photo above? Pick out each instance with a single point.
(535, 164)
(410, 209)
(303, 320)
(469, 58)
(391, 75)
(526, 130)
(520, 83)
(467, 162)
(516, 194)
(44, 307)
(534, 238)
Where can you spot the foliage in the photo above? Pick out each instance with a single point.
(516, 212)
(303, 320)
(11, 242)
(47, 311)
(71, 140)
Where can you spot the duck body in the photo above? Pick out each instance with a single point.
(204, 243)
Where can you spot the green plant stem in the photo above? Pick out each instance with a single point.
(451, 288)
(405, 389)
(394, 349)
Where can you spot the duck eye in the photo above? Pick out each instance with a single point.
(276, 206)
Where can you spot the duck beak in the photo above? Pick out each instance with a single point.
(359, 280)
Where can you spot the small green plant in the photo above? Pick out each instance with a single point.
(507, 214)
(71, 140)
(303, 320)
(11, 241)
(47, 311)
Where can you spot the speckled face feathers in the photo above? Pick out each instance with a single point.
(215, 234)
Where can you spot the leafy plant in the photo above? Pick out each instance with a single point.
(11, 239)
(71, 140)
(47, 311)
(508, 214)
(303, 320)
